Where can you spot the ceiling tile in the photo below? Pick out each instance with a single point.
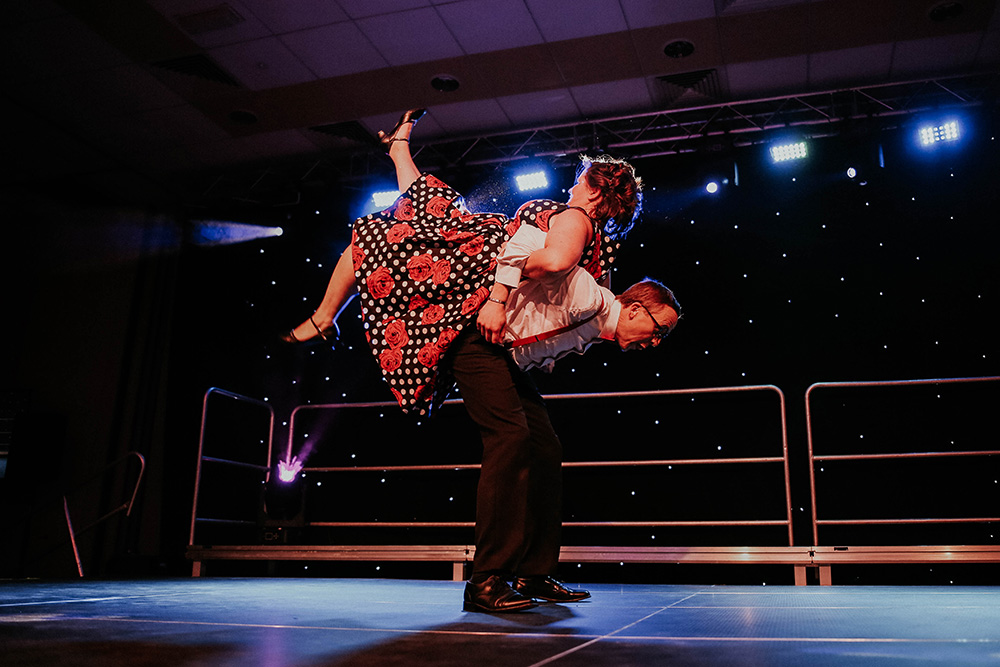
(767, 77)
(761, 36)
(613, 97)
(575, 59)
(262, 63)
(703, 35)
(850, 66)
(518, 70)
(361, 8)
(989, 49)
(549, 106)
(291, 15)
(334, 50)
(409, 37)
(647, 13)
(568, 19)
(462, 118)
(490, 25)
(249, 26)
(935, 55)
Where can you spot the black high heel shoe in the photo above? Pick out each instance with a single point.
(411, 116)
(330, 334)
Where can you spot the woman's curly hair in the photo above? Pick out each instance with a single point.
(621, 192)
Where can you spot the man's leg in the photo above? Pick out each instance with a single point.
(544, 508)
(487, 381)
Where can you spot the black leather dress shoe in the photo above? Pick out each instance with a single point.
(548, 589)
(494, 595)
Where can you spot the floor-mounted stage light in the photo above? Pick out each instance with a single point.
(711, 187)
(535, 180)
(789, 151)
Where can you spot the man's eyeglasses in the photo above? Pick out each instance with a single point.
(660, 331)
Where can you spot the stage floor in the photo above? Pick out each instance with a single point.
(277, 622)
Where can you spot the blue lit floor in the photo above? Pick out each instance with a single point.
(317, 622)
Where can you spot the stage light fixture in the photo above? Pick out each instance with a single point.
(384, 198)
(851, 172)
(790, 151)
(942, 132)
(535, 180)
(226, 232)
(712, 187)
(288, 470)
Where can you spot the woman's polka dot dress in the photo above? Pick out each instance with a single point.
(423, 268)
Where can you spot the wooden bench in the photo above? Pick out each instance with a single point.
(800, 558)
(459, 555)
(826, 557)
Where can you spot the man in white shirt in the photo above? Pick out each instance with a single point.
(518, 503)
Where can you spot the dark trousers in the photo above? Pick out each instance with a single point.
(518, 501)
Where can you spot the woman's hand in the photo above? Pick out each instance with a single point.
(492, 322)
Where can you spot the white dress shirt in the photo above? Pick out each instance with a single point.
(538, 306)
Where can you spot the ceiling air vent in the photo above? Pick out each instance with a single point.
(209, 20)
(351, 130)
(704, 82)
(200, 66)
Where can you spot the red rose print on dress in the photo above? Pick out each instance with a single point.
(446, 337)
(441, 271)
(429, 355)
(399, 397)
(357, 257)
(417, 302)
(455, 234)
(399, 232)
(380, 283)
(431, 314)
(473, 247)
(513, 226)
(474, 301)
(438, 206)
(404, 210)
(434, 181)
(390, 360)
(395, 334)
(424, 391)
(420, 267)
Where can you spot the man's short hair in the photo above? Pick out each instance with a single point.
(650, 292)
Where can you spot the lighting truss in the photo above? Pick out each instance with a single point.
(674, 131)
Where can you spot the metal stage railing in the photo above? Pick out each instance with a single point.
(461, 554)
(264, 468)
(782, 459)
(827, 555)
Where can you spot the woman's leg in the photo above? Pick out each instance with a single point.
(339, 292)
(399, 153)
(340, 289)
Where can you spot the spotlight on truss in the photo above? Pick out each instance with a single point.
(535, 180)
(932, 134)
(384, 198)
(790, 151)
